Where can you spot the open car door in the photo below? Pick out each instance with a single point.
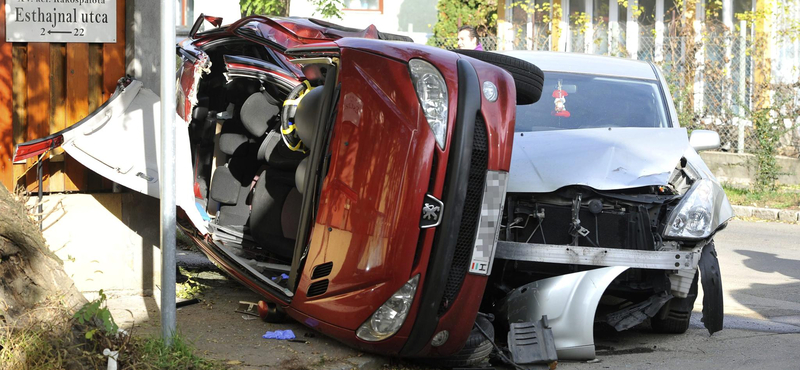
(120, 141)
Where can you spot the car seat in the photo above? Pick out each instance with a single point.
(277, 199)
(240, 140)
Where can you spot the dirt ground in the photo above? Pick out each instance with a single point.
(218, 332)
(760, 263)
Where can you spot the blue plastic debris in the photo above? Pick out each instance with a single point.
(203, 212)
(284, 276)
(279, 334)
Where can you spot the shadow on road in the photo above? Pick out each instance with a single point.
(776, 300)
(769, 262)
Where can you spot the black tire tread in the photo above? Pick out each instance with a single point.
(528, 78)
(476, 349)
(678, 313)
(670, 325)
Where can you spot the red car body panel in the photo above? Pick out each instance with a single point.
(379, 172)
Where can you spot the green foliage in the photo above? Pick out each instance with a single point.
(681, 94)
(190, 288)
(264, 7)
(770, 124)
(325, 8)
(97, 312)
(766, 165)
(452, 14)
(328, 8)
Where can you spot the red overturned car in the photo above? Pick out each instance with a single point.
(353, 180)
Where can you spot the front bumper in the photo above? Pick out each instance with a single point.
(464, 244)
(598, 256)
(445, 263)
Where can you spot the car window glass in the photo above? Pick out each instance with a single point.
(575, 101)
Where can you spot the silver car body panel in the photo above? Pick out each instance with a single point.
(601, 158)
(586, 63)
(604, 159)
(569, 301)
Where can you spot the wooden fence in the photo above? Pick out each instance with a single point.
(46, 87)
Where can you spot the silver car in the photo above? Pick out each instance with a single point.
(610, 212)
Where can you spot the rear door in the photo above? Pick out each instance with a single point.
(120, 141)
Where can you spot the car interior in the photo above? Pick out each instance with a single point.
(248, 182)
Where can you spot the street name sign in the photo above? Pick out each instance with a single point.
(92, 21)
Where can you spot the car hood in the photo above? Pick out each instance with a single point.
(601, 158)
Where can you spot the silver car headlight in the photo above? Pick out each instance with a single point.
(695, 216)
(389, 317)
(432, 94)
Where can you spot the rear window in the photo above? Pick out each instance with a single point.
(575, 101)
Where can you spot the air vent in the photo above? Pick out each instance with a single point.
(321, 271)
(317, 288)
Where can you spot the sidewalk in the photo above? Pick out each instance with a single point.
(767, 213)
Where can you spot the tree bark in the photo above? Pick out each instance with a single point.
(32, 278)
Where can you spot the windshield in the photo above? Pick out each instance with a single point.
(573, 101)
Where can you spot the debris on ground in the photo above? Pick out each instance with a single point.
(279, 334)
(247, 308)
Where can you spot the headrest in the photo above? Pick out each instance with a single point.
(307, 116)
(256, 111)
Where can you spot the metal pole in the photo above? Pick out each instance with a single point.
(39, 176)
(167, 173)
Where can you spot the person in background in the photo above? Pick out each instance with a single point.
(468, 38)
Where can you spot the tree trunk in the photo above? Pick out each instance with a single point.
(31, 276)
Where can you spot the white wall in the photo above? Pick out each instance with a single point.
(414, 18)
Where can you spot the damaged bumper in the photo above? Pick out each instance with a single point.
(598, 256)
(569, 301)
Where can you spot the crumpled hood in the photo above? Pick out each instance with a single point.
(602, 158)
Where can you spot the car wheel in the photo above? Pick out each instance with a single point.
(476, 349)
(673, 318)
(528, 78)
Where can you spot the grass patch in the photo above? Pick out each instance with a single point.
(783, 197)
(151, 353)
(66, 341)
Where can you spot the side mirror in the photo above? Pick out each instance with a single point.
(704, 140)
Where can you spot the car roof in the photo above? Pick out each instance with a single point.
(550, 61)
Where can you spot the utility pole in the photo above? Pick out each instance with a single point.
(167, 175)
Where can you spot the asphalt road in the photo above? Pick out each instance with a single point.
(760, 263)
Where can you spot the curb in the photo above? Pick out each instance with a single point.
(767, 213)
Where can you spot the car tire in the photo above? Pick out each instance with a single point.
(476, 349)
(674, 316)
(528, 78)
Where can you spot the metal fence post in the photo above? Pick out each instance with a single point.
(167, 175)
(632, 31)
(658, 52)
(740, 88)
(529, 32)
